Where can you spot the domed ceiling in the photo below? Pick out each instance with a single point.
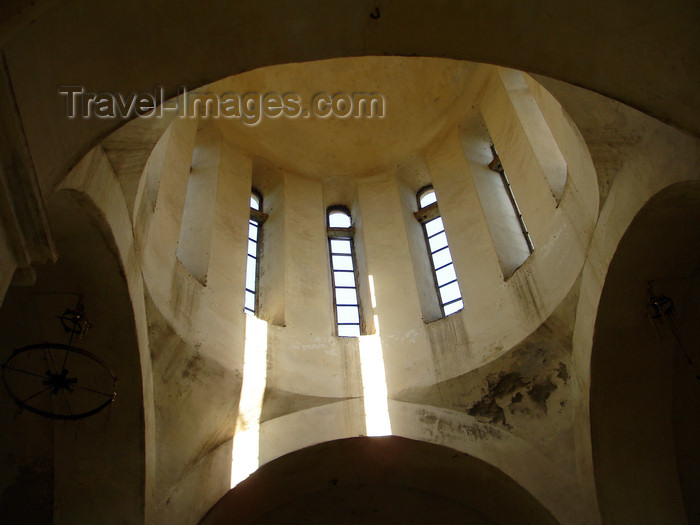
(422, 98)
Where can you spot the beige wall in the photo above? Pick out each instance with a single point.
(314, 385)
(642, 57)
(439, 376)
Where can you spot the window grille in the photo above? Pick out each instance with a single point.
(343, 271)
(496, 166)
(444, 275)
(257, 218)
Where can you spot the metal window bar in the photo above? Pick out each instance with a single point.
(516, 208)
(345, 312)
(255, 222)
(496, 166)
(250, 305)
(443, 266)
(426, 215)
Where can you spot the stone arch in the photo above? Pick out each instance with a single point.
(94, 466)
(360, 480)
(644, 395)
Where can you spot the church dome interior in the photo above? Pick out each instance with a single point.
(347, 276)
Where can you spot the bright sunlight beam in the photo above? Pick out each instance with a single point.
(377, 420)
(246, 439)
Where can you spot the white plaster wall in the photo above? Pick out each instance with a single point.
(498, 313)
(297, 296)
(407, 356)
(659, 157)
(94, 178)
(194, 246)
(308, 369)
(627, 58)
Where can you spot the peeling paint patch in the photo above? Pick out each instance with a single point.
(500, 386)
(506, 384)
(428, 418)
(441, 430)
(540, 392)
(192, 367)
(457, 431)
(563, 372)
(478, 432)
(488, 409)
(516, 400)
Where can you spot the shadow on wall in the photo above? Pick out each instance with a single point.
(94, 466)
(645, 396)
(378, 480)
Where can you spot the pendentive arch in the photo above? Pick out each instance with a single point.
(96, 465)
(645, 395)
(378, 479)
(93, 184)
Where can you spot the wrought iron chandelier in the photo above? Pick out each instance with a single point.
(60, 381)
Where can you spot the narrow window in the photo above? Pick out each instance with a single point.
(257, 217)
(428, 214)
(496, 166)
(343, 275)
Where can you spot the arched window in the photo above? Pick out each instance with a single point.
(257, 218)
(343, 271)
(428, 214)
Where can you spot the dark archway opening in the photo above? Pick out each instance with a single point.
(645, 396)
(90, 470)
(378, 480)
